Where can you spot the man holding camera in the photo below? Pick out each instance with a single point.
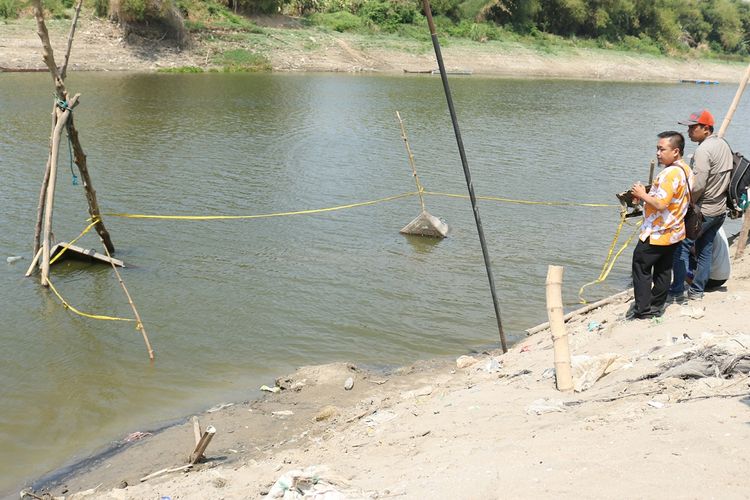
(663, 228)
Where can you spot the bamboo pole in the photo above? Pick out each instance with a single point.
(420, 189)
(43, 189)
(34, 262)
(735, 103)
(49, 203)
(206, 438)
(467, 171)
(743, 232)
(557, 324)
(138, 323)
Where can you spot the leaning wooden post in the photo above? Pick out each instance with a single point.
(424, 224)
(196, 429)
(742, 240)
(71, 34)
(206, 438)
(138, 322)
(49, 202)
(80, 160)
(735, 103)
(43, 189)
(557, 326)
(420, 189)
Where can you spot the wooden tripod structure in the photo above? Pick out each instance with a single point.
(62, 117)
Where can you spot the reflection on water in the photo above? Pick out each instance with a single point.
(242, 301)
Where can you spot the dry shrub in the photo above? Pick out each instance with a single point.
(150, 19)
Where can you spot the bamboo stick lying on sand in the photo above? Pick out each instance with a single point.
(583, 310)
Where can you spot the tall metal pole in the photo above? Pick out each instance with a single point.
(467, 173)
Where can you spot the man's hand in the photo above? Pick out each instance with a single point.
(638, 190)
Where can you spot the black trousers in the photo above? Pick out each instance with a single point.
(652, 275)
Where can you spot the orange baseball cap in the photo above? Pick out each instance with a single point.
(702, 117)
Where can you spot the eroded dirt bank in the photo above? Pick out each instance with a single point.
(102, 46)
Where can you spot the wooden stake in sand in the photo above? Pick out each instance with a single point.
(206, 438)
(424, 224)
(557, 325)
(197, 430)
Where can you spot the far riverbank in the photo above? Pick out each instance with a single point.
(101, 45)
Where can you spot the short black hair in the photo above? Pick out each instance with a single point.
(676, 139)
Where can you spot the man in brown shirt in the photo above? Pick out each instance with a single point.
(712, 167)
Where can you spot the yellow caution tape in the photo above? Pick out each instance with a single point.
(67, 245)
(354, 205)
(262, 216)
(609, 262)
(80, 313)
(524, 202)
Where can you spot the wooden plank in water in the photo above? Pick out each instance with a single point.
(86, 254)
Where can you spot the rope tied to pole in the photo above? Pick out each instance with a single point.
(70, 154)
(63, 104)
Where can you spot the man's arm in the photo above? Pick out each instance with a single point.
(659, 203)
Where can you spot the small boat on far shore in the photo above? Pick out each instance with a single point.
(3, 69)
(437, 71)
(705, 82)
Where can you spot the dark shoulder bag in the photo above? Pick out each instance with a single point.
(693, 217)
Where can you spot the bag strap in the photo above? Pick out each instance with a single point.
(687, 185)
(727, 143)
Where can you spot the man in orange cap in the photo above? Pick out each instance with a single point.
(712, 167)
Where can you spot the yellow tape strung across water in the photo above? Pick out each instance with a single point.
(262, 216)
(524, 202)
(81, 313)
(354, 205)
(608, 264)
(610, 260)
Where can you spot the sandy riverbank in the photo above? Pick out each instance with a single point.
(102, 46)
(495, 428)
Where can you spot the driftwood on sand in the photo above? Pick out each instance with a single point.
(624, 295)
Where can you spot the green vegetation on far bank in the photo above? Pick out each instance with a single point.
(717, 29)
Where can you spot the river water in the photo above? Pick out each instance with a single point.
(231, 304)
